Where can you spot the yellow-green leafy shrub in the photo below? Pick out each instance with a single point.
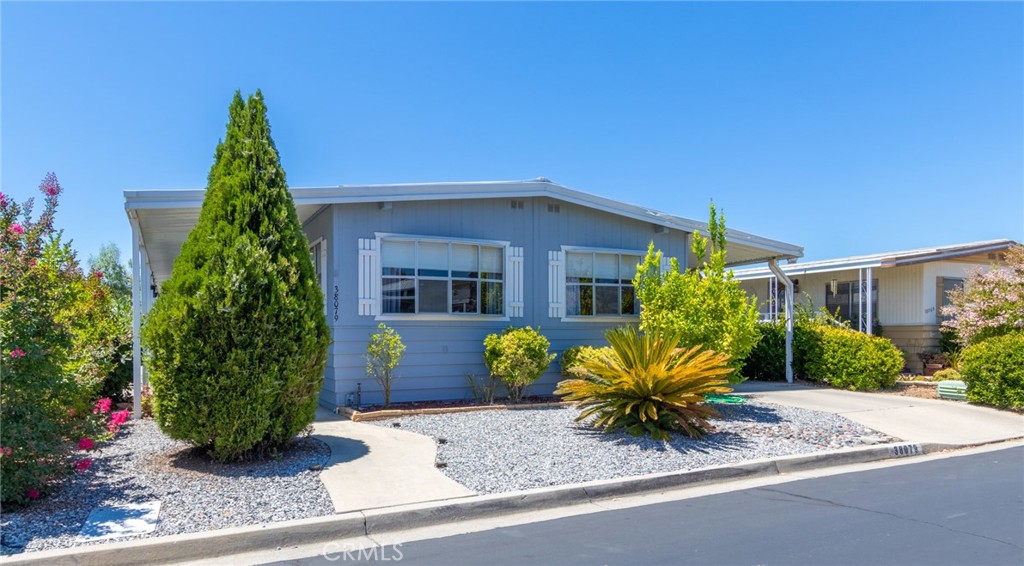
(849, 359)
(573, 357)
(993, 370)
(519, 356)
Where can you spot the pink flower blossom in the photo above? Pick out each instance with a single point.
(113, 428)
(86, 443)
(120, 417)
(99, 275)
(83, 464)
(17, 353)
(50, 187)
(102, 406)
(33, 493)
(5, 451)
(17, 229)
(3, 199)
(32, 262)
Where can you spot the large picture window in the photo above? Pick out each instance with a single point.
(420, 276)
(847, 298)
(600, 284)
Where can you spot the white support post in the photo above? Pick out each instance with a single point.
(773, 265)
(870, 321)
(137, 286)
(860, 300)
(146, 301)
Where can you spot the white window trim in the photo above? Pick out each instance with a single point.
(435, 317)
(323, 270)
(602, 319)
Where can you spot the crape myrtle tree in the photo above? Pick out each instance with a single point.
(237, 340)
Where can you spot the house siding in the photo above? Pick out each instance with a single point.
(321, 226)
(440, 354)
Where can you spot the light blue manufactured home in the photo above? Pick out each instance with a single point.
(445, 264)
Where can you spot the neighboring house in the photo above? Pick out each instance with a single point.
(904, 292)
(445, 264)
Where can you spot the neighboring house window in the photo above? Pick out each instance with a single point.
(847, 299)
(948, 284)
(426, 276)
(600, 284)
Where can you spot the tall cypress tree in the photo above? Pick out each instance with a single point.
(237, 340)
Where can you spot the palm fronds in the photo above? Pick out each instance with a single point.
(647, 385)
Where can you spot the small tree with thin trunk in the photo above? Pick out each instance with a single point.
(383, 353)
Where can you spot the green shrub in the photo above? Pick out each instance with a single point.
(44, 409)
(645, 384)
(704, 306)
(767, 360)
(946, 375)
(849, 359)
(519, 356)
(993, 370)
(237, 340)
(101, 325)
(571, 360)
(116, 338)
(383, 352)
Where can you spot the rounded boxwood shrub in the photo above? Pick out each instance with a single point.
(993, 370)
(237, 340)
(848, 359)
(519, 356)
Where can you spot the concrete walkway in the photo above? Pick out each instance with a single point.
(955, 423)
(373, 466)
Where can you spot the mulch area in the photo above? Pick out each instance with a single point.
(419, 405)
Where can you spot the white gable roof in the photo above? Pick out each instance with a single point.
(885, 259)
(166, 216)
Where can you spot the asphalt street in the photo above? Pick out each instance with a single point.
(966, 510)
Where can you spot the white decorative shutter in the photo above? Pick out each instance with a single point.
(514, 282)
(556, 284)
(666, 264)
(369, 277)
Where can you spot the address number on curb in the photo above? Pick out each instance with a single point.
(905, 450)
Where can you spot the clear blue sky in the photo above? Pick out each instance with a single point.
(846, 128)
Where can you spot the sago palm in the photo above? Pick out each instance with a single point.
(647, 385)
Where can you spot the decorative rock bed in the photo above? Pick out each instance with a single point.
(498, 451)
(141, 464)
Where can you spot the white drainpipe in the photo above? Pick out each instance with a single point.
(773, 264)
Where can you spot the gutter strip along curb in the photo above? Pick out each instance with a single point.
(224, 542)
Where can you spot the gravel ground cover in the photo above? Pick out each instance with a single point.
(141, 464)
(498, 451)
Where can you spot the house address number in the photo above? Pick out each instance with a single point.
(899, 450)
(336, 299)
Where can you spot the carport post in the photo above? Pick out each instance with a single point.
(137, 285)
(773, 265)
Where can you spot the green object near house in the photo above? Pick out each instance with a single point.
(953, 389)
(725, 399)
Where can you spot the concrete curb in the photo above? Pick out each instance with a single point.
(225, 542)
